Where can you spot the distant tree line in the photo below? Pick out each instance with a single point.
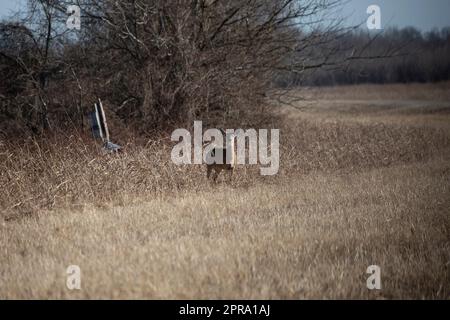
(419, 57)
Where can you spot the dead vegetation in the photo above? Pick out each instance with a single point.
(350, 193)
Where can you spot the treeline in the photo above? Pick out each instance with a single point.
(159, 64)
(418, 57)
(155, 64)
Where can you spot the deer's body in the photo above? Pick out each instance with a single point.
(227, 155)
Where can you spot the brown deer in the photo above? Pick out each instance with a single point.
(227, 154)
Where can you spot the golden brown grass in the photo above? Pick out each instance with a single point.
(359, 184)
(412, 91)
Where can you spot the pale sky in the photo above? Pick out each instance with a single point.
(7, 6)
(422, 14)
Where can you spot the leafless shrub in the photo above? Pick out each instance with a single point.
(159, 64)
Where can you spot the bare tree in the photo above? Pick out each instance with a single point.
(160, 63)
(28, 48)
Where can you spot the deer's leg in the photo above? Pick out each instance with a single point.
(216, 174)
(208, 172)
(230, 174)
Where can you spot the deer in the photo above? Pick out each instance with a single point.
(227, 154)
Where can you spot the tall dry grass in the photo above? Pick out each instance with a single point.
(349, 193)
(74, 171)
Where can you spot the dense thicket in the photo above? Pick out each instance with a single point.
(157, 64)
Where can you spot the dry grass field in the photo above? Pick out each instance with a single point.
(364, 180)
